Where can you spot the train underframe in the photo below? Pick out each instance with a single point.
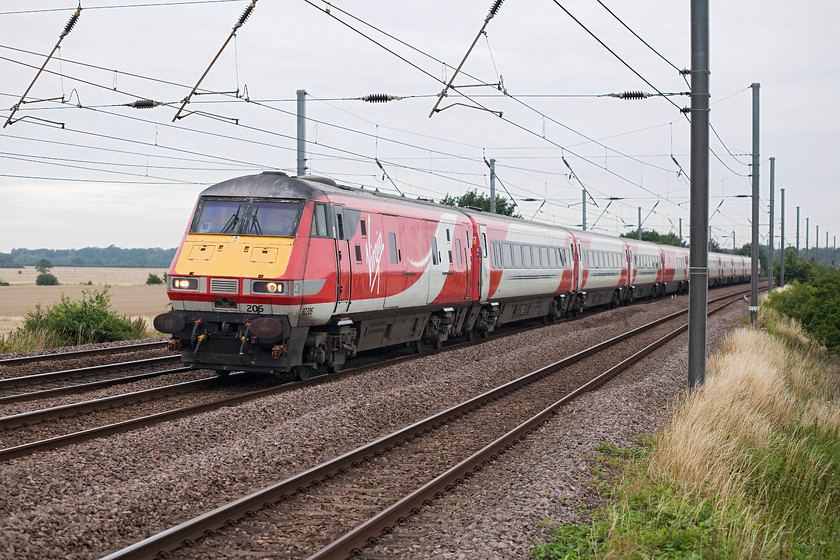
(227, 342)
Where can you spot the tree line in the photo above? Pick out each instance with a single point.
(90, 256)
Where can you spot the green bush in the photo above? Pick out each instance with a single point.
(2, 283)
(46, 279)
(82, 321)
(153, 279)
(815, 305)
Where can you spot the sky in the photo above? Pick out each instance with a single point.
(80, 168)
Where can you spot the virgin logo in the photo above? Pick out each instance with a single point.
(374, 257)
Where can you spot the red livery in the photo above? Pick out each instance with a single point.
(281, 274)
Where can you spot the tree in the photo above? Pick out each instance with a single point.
(43, 266)
(45, 278)
(472, 199)
(653, 236)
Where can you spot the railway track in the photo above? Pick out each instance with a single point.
(72, 354)
(40, 430)
(52, 383)
(333, 509)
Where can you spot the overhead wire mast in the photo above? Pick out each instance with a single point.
(67, 29)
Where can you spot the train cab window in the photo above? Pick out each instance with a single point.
(218, 216)
(458, 251)
(274, 218)
(319, 221)
(340, 220)
(392, 245)
(363, 227)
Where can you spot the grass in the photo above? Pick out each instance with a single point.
(748, 467)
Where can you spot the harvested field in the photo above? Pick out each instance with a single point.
(129, 294)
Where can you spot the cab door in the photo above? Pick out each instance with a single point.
(342, 261)
(483, 264)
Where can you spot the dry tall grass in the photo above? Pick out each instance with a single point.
(756, 390)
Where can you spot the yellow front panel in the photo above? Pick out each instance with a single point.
(226, 255)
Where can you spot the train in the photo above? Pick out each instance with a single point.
(296, 275)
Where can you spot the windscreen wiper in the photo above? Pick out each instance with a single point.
(231, 223)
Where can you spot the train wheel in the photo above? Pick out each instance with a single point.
(222, 373)
(334, 368)
(418, 346)
(302, 373)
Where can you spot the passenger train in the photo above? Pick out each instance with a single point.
(289, 274)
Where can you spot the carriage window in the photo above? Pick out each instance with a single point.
(435, 255)
(507, 255)
(526, 253)
(392, 243)
(517, 256)
(458, 252)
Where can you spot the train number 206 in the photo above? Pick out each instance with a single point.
(255, 309)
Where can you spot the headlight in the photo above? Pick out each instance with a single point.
(262, 287)
(185, 283)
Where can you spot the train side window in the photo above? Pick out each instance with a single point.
(484, 245)
(526, 254)
(507, 255)
(517, 256)
(392, 242)
(447, 234)
(435, 256)
(363, 228)
(458, 251)
(358, 254)
(319, 221)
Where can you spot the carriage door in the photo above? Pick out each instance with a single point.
(576, 268)
(342, 260)
(484, 264)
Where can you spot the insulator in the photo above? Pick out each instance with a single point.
(70, 24)
(380, 98)
(634, 95)
(143, 104)
(495, 7)
(245, 15)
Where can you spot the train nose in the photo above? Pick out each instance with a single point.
(169, 323)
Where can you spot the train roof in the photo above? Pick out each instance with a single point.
(276, 184)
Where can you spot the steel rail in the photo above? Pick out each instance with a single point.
(80, 353)
(190, 530)
(53, 375)
(82, 387)
(94, 405)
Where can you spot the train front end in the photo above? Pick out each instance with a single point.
(236, 283)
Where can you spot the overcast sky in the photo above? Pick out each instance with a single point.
(93, 172)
